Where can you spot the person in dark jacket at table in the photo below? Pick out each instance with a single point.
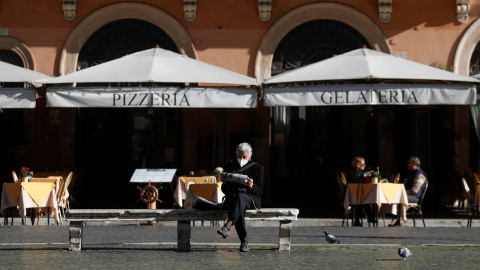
(239, 197)
(356, 175)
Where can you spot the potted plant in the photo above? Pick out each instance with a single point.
(218, 171)
(24, 173)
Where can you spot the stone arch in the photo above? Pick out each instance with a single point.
(119, 11)
(15, 45)
(318, 11)
(465, 49)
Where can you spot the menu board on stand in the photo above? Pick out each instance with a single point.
(153, 178)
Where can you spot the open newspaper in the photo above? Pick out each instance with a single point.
(235, 177)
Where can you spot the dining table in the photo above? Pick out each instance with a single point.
(211, 191)
(57, 180)
(183, 184)
(385, 196)
(63, 174)
(26, 195)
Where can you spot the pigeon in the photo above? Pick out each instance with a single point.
(330, 238)
(404, 252)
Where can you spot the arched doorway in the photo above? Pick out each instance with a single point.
(336, 13)
(310, 144)
(17, 131)
(12, 121)
(112, 143)
(467, 62)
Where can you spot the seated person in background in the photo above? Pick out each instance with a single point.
(415, 183)
(356, 175)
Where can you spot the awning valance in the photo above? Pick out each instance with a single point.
(143, 97)
(374, 94)
(17, 98)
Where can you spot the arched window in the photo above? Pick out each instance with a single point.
(475, 61)
(120, 38)
(10, 57)
(315, 41)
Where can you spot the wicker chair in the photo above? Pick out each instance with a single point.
(473, 208)
(342, 182)
(396, 179)
(14, 176)
(416, 208)
(63, 197)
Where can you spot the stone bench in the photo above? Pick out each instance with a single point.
(77, 218)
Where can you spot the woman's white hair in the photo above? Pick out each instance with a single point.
(244, 147)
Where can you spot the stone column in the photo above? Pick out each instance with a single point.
(76, 234)
(285, 235)
(183, 236)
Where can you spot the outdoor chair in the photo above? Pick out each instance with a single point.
(471, 179)
(67, 194)
(416, 208)
(342, 183)
(467, 185)
(396, 178)
(472, 206)
(14, 176)
(63, 197)
(467, 192)
(13, 211)
(476, 177)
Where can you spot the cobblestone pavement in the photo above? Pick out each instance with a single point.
(126, 247)
(320, 257)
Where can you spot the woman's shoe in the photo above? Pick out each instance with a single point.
(395, 222)
(223, 232)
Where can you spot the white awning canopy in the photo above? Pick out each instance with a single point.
(160, 97)
(363, 77)
(19, 97)
(155, 65)
(12, 73)
(369, 65)
(12, 98)
(373, 94)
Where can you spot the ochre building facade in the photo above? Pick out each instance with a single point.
(302, 148)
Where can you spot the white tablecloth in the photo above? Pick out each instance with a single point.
(184, 182)
(19, 196)
(385, 196)
(211, 192)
